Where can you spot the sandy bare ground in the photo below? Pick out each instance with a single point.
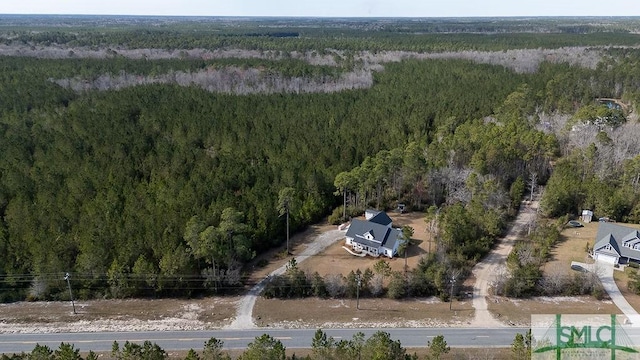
(117, 315)
(485, 272)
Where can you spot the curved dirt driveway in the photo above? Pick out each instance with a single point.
(485, 271)
(244, 309)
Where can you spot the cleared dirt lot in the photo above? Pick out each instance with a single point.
(380, 313)
(518, 311)
(117, 315)
(336, 260)
(373, 312)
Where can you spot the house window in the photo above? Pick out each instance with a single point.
(632, 243)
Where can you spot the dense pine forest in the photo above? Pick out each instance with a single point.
(149, 157)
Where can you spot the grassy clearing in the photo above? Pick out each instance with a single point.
(572, 247)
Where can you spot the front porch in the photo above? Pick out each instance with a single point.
(361, 248)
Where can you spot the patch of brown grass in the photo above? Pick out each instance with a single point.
(519, 311)
(314, 312)
(572, 247)
(213, 310)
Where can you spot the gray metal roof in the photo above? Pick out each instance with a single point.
(382, 235)
(393, 237)
(381, 218)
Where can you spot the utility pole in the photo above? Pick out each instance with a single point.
(453, 283)
(286, 205)
(406, 249)
(67, 277)
(344, 205)
(285, 197)
(358, 283)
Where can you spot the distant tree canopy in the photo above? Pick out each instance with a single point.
(321, 34)
(160, 189)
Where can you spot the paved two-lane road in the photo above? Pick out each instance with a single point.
(238, 339)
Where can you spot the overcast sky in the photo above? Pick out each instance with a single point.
(331, 8)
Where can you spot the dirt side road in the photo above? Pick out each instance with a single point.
(485, 271)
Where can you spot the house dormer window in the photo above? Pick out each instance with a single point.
(368, 235)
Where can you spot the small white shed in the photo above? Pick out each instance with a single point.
(587, 215)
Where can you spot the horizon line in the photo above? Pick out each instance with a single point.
(330, 17)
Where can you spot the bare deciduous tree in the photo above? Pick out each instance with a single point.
(499, 280)
(335, 285)
(533, 183)
(376, 285)
(232, 80)
(527, 254)
(555, 281)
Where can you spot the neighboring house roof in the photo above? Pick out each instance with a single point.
(372, 234)
(624, 241)
(369, 213)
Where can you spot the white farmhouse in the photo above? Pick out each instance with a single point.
(374, 236)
